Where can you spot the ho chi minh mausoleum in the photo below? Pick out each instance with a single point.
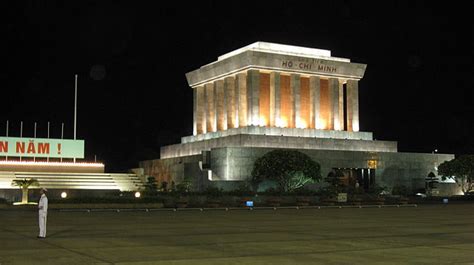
(267, 96)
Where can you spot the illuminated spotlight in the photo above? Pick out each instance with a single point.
(63, 194)
(137, 194)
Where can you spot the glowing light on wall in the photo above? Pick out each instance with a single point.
(54, 164)
(262, 121)
(281, 122)
(300, 123)
(137, 194)
(372, 164)
(63, 195)
(355, 126)
(223, 125)
(321, 124)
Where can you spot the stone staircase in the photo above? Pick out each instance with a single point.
(85, 181)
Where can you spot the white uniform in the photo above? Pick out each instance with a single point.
(43, 214)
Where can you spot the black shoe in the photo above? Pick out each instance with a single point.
(41, 237)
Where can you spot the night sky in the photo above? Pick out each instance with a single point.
(132, 57)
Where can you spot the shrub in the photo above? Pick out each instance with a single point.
(164, 186)
(400, 190)
(244, 189)
(213, 192)
(184, 186)
(290, 169)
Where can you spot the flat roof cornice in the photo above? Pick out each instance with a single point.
(253, 59)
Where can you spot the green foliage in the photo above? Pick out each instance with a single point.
(25, 183)
(272, 191)
(164, 186)
(297, 180)
(104, 200)
(244, 189)
(376, 190)
(334, 179)
(400, 190)
(352, 190)
(329, 191)
(214, 192)
(173, 186)
(185, 186)
(461, 169)
(305, 192)
(290, 169)
(150, 185)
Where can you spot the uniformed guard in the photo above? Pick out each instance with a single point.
(42, 213)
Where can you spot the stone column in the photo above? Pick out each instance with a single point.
(221, 112)
(315, 95)
(230, 102)
(352, 90)
(341, 105)
(241, 87)
(295, 88)
(274, 98)
(334, 102)
(200, 110)
(194, 111)
(211, 107)
(253, 93)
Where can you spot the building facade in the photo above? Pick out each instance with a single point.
(267, 96)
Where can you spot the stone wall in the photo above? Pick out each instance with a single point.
(409, 169)
(232, 164)
(266, 141)
(276, 131)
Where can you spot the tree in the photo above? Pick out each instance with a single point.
(290, 169)
(24, 184)
(185, 185)
(460, 169)
(164, 186)
(150, 186)
(336, 183)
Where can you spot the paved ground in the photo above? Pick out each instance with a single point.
(422, 235)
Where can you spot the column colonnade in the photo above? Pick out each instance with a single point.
(276, 99)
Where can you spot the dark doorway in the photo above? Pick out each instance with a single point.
(365, 177)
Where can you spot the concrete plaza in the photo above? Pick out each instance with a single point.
(427, 234)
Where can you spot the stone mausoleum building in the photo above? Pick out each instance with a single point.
(266, 96)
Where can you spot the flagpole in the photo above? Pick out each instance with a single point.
(47, 160)
(21, 132)
(34, 136)
(6, 157)
(75, 109)
(62, 136)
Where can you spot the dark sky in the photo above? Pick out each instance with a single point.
(131, 58)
